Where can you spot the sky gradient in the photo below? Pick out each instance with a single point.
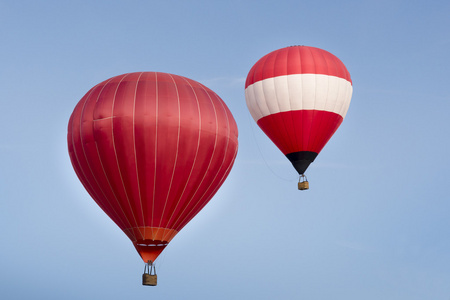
(374, 224)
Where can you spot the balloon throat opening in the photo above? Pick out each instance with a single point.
(149, 250)
(301, 160)
(303, 183)
(149, 277)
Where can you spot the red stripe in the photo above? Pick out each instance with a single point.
(297, 60)
(300, 130)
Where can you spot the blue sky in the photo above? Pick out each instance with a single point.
(375, 223)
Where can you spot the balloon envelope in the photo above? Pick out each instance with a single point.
(151, 149)
(299, 96)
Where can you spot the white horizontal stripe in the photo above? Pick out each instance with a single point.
(298, 92)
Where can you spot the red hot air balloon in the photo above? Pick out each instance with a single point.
(299, 96)
(151, 149)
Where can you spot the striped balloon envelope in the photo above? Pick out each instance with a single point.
(151, 149)
(299, 96)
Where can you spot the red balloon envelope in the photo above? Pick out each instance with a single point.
(299, 96)
(151, 149)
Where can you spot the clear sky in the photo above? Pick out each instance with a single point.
(375, 223)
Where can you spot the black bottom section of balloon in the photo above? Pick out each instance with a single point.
(301, 160)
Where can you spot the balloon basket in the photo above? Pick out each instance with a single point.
(149, 277)
(303, 183)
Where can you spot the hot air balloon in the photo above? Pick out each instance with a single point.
(299, 96)
(151, 149)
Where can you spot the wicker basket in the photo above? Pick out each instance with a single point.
(148, 279)
(303, 185)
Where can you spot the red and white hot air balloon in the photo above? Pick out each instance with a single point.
(299, 96)
(151, 149)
